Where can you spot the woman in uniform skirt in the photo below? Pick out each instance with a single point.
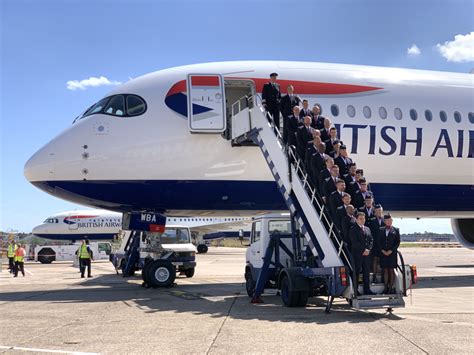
(389, 241)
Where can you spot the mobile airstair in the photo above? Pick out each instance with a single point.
(249, 122)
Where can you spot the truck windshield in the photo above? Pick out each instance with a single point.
(279, 227)
(175, 236)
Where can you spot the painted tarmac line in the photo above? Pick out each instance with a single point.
(45, 350)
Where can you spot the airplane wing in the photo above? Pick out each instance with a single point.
(224, 226)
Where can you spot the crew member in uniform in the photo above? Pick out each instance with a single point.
(361, 245)
(292, 126)
(305, 111)
(287, 103)
(12, 247)
(304, 134)
(318, 120)
(85, 257)
(389, 241)
(271, 98)
(375, 223)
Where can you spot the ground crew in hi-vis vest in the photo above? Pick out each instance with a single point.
(12, 247)
(20, 260)
(85, 258)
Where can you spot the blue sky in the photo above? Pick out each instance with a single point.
(45, 44)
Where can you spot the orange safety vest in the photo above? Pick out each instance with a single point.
(20, 254)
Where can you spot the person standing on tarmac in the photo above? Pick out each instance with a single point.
(12, 247)
(20, 260)
(85, 258)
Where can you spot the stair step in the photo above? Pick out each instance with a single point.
(379, 296)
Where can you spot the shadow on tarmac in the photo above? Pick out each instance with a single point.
(214, 299)
(445, 281)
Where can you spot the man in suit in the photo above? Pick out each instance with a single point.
(347, 222)
(343, 161)
(361, 245)
(350, 178)
(335, 199)
(389, 241)
(292, 126)
(287, 103)
(325, 173)
(304, 134)
(329, 185)
(325, 130)
(318, 163)
(341, 210)
(375, 224)
(368, 208)
(312, 149)
(362, 194)
(318, 120)
(305, 111)
(332, 139)
(271, 97)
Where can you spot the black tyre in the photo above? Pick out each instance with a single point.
(249, 283)
(303, 299)
(189, 272)
(46, 256)
(145, 272)
(202, 248)
(161, 273)
(289, 297)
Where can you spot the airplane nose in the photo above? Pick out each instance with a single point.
(40, 167)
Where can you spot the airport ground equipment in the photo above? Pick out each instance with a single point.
(310, 259)
(159, 255)
(46, 254)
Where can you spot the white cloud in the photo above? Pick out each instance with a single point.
(413, 51)
(91, 82)
(459, 50)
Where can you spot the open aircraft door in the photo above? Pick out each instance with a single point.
(206, 103)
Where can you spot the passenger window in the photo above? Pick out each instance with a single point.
(398, 113)
(413, 114)
(367, 112)
(335, 110)
(351, 111)
(428, 115)
(443, 117)
(97, 107)
(135, 105)
(382, 113)
(471, 117)
(256, 231)
(457, 117)
(116, 106)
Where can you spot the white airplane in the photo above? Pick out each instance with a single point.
(105, 225)
(139, 148)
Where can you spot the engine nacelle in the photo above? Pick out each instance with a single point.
(463, 229)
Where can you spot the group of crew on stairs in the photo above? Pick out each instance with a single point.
(368, 233)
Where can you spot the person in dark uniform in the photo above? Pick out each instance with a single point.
(304, 134)
(286, 107)
(361, 245)
(335, 199)
(389, 241)
(343, 161)
(292, 126)
(271, 98)
(318, 163)
(375, 224)
(329, 184)
(347, 222)
(318, 120)
(310, 151)
(305, 111)
(349, 178)
(368, 209)
(360, 195)
(325, 130)
(341, 210)
(332, 139)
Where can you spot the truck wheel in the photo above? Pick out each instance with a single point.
(189, 272)
(289, 297)
(249, 283)
(202, 248)
(161, 273)
(145, 272)
(303, 299)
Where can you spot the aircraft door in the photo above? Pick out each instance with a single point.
(206, 103)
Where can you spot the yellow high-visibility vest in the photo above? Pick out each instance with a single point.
(20, 255)
(11, 250)
(83, 252)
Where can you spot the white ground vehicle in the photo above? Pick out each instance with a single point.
(158, 255)
(46, 254)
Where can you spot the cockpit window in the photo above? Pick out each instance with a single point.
(125, 105)
(51, 220)
(116, 106)
(135, 105)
